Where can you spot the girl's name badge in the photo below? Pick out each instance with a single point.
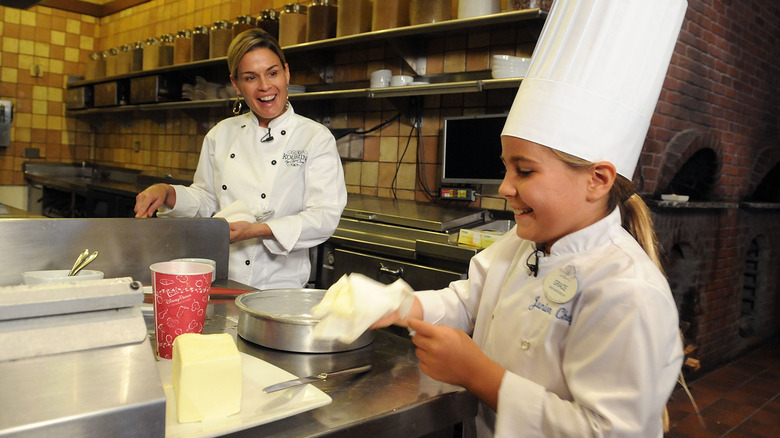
(561, 286)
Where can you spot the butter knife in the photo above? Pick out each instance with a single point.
(315, 378)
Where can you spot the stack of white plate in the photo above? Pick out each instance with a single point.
(296, 89)
(505, 66)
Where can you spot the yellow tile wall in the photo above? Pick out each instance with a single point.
(392, 165)
(53, 42)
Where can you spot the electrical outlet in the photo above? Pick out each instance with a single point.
(457, 194)
(36, 70)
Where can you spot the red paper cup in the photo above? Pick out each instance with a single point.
(181, 293)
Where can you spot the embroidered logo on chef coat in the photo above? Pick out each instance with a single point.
(295, 158)
(561, 313)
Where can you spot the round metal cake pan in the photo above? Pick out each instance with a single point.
(281, 319)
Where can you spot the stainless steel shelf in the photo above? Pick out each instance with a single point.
(453, 85)
(374, 93)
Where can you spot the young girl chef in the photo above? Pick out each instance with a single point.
(274, 175)
(574, 329)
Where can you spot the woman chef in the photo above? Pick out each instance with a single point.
(274, 175)
(574, 328)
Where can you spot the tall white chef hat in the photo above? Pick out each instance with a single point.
(595, 77)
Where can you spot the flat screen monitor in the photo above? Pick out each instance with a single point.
(471, 149)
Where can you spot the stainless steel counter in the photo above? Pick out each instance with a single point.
(394, 399)
(8, 212)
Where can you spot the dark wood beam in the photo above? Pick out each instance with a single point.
(93, 9)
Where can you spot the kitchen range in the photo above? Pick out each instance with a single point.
(386, 239)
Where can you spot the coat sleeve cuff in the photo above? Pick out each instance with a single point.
(432, 305)
(286, 233)
(519, 402)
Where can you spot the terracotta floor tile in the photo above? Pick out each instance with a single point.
(758, 387)
(722, 380)
(704, 395)
(691, 428)
(752, 429)
(749, 396)
(767, 419)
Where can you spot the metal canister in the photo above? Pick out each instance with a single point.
(430, 11)
(292, 25)
(137, 59)
(220, 36)
(321, 22)
(124, 59)
(389, 14)
(354, 16)
(242, 23)
(96, 66)
(182, 47)
(166, 51)
(111, 61)
(151, 53)
(269, 22)
(200, 43)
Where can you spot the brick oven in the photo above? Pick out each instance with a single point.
(717, 252)
(715, 137)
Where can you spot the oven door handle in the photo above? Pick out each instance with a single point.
(397, 273)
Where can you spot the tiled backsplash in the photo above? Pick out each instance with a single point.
(60, 43)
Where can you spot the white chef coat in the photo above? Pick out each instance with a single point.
(602, 364)
(297, 175)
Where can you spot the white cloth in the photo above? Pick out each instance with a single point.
(602, 364)
(298, 175)
(353, 303)
(595, 77)
(236, 212)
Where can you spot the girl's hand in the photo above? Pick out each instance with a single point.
(451, 356)
(394, 318)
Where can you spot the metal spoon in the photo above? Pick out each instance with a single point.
(79, 259)
(85, 262)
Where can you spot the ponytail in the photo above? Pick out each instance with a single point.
(636, 217)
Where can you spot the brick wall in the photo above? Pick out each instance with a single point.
(720, 96)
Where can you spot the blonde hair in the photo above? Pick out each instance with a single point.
(247, 41)
(633, 210)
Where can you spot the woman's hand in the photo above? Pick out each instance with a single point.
(451, 356)
(148, 201)
(243, 230)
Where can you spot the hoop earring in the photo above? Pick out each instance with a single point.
(237, 106)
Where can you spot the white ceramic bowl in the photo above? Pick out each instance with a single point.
(58, 276)
(401, 80)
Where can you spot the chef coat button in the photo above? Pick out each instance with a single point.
(247, 262)
(492, 315)
(224, 187)
(525, 345)
(232, 155)
(262, 195)
(284, 132)
(273, 162)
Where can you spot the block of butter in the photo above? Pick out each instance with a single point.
(206, 376)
